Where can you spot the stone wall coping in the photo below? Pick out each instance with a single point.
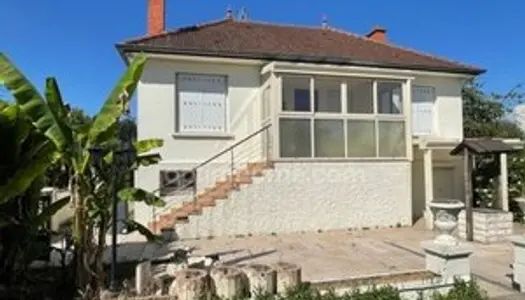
(447, 251)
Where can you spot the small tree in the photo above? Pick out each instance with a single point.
(488, 115)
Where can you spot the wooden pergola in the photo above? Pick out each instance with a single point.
(470, 148)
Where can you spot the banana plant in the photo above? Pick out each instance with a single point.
(89, 190)
(24, 156)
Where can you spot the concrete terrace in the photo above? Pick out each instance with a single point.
(337, 255)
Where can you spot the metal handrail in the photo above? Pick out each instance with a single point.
(232, 146)
(230, 149)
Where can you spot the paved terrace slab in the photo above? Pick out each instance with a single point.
(337, 255)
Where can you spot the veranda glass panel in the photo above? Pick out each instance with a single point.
(389, 98)
(296, 94)
(295, 138)
(327, 95)
(361, 138)
(392, 139)
(329, 138)
(360, 98)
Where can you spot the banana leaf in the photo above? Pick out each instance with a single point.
(132, 225)
(57, 108)
(146, 145)
(26, 154)
(132, 194)
(117, 103)
(32, 103)
(51, 210)
(28, 172)
(148, 159)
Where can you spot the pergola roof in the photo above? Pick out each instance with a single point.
(483, 146)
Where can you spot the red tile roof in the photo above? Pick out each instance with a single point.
(244, 39)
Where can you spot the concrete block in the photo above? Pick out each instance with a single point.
(518, 270)
(449, 261)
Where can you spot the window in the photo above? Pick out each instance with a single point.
(201, 103)
(361, 138)
(423, 98)
(328, 95)
(389, 98)
(392, 139)
(360, 99)
(301, 100)
(329, 138)
(372, 125)
(296, 94)
(295, 138)
(172, 181)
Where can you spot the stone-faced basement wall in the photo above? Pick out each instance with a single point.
(310, 196)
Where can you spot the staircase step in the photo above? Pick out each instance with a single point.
(191, 207)
(218, 194)
(206, 201)
(208, 198)
(241, 178)
(238, 179)
(183, 220)
(222, 185)
(260, 165)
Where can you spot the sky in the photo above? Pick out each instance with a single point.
(74, 41)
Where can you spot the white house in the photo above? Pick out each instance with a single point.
(274, 128)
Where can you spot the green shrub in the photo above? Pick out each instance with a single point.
(463, 291)
(307, 292)
(460, 291)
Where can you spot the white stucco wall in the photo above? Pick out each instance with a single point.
(157, 116)
(156, 95)
(448, 107)
(308, 196)
(440, 159)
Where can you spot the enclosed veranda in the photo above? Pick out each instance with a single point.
(327, 113)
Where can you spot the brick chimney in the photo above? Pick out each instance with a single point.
(378, 34)
(156, 16)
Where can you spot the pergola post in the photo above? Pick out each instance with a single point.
(503, 182)
(467, 174)
(429, 187)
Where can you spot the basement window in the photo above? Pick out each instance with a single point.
(173, 181)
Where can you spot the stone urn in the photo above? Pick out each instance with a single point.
(446, 213)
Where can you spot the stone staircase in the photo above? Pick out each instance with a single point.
(221, 191)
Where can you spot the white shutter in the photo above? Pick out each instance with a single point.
(422, 109)
(202, 103)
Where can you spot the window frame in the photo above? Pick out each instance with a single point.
(433, 126)
(344, 115)
(177, 106)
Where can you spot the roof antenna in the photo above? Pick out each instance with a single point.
(324, 22)
(229, 12)
(243, 14)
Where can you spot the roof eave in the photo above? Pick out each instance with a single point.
(122, 53)
(129, 48)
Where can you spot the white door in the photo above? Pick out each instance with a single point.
(422, 109)
(443, 182)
